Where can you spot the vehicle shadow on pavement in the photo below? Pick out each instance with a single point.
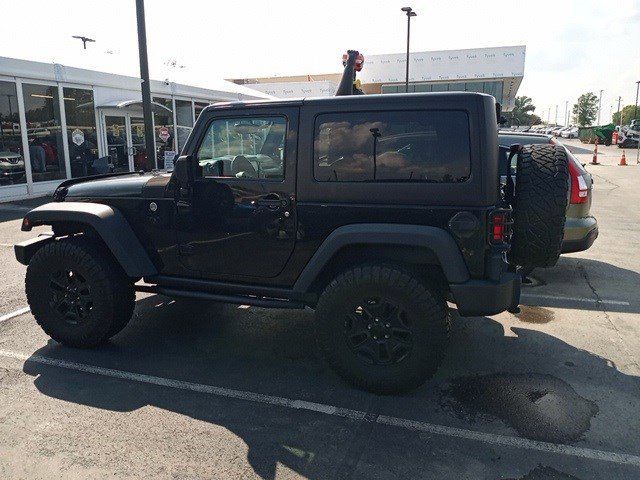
(272, 352)
(588, 279)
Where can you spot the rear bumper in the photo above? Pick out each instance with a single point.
(486, 297)
(581, 236)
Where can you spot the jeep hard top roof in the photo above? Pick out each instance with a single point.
(370, 101)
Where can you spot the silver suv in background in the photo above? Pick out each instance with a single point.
(581, 228)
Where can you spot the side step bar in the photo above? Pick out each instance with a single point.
(236, 299)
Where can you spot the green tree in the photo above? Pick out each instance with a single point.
(627, 115)
(522, 113)
(586, 110)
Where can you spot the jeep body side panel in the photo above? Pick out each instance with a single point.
(107, 222)
(435, 239)
(318, 220)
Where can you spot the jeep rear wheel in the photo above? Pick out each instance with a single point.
(381, 328)
(77, 294)
(539, 207)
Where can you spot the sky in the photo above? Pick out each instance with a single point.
(572, 46)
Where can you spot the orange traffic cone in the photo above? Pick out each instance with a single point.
(623, 160)
(595, 154)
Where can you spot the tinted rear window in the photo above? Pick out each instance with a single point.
(396, 146)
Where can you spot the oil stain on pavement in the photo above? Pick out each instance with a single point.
(530, 314)
(537, 406)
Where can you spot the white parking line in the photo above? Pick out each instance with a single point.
(14, 314)
(574, 299)
(434, 429)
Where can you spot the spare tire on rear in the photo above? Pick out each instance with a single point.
(539, 206)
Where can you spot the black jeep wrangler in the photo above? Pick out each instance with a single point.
(373, 210)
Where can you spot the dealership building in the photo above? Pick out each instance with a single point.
(497, 71)
(59, 122)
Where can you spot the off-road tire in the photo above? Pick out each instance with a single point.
(110, 292)
(425, 313)
(539, 207)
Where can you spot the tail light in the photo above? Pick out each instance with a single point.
(579, 188)
(500, 226)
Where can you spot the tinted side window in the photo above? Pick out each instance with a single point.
(244, 147)
(400, 146)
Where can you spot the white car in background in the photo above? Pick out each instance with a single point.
(571, 132)
(11, 167)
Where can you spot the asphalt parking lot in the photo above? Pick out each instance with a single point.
(195, 390)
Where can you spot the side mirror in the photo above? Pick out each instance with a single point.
(182, 171)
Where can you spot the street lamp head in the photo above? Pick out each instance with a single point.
(412, 14)
(406, 9)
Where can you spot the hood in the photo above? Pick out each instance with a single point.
(128, 185)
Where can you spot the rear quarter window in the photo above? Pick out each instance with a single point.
(392, 146)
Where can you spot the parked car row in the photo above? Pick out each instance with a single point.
(556, 131)
(628, 135)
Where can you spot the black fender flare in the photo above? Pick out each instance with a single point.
(108, 222)
(436, 239)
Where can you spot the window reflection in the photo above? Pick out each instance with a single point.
(12, 170)
(427, 146)
(42, 110)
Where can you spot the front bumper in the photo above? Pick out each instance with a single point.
(25, 250)
(487, 297)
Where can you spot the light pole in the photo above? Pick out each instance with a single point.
(635, 110)
(146, 87)
(619, 116)
(556, 114)
(84, 40)
(599, 105)
(410, 13)
(566, 113)
(635, 116)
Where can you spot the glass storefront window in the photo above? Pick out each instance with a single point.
(42, 109)
(12, 170)
(118, 156)
(495, 89)
(198, 107)
(184, 119)
(475, 87)
(440, 87)
(422, 87)
(81, 133)
(163, 121)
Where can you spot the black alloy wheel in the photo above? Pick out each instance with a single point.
(378, 331)
(382, 327)
(77, 293)
(70, 296)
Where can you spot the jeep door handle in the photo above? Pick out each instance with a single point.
(273, 201)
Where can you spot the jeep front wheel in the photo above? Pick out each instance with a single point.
(77, 294)
(382, 328)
